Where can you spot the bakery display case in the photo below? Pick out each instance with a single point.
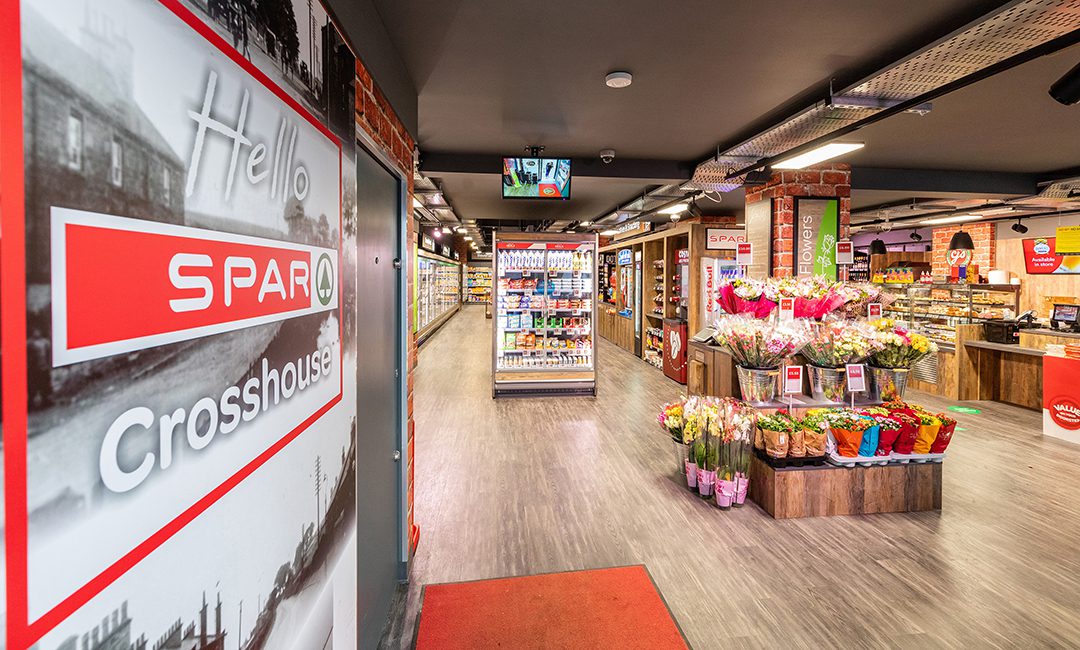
(936, 309)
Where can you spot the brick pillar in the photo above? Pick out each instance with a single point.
(828, 180)
(983, 235)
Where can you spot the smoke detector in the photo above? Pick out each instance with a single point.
(619, 79)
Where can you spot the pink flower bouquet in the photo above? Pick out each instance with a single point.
(755, 343)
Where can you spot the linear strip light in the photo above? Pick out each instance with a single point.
(674, 209)
(820, 154)
(957, 219)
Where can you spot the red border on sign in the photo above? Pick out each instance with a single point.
(21, 632)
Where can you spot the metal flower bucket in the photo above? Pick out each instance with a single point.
(888, 384)
(681, 454)
(828, 384)
(758, 385)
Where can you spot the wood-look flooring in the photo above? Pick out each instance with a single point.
(521, 486)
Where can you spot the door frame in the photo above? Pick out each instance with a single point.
(366, 145)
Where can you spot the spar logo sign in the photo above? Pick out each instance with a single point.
(121, 285)
(324, 271)
(1066, 413)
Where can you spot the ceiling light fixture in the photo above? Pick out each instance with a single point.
(437, 233)
(468, 237)
(619, 79)
(915, 236)
(460, 230)
(961, 241)
(610, 233)
(877, 247)
(446, 230)
(1019, 227)
(958, 219)
(674, 209)
(1067, 89)
(820, 154)
(585, 224)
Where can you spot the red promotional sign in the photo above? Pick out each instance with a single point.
(874, 310)
(845, 252)
(192, 283)
(793, 380)
(856, 378)
(787, 308)
(744, 254)
(1041, 257)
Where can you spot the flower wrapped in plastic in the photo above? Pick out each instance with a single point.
(929, 425)
(838, 343)
(858, 297)
(847, 427)
(889, 431)
(755, 343)
(944, 436)
(745, 296)
(900, 347)
(671, 420)
(815, 427)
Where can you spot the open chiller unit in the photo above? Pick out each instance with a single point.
(545, 314)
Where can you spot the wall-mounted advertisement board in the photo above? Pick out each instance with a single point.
(179, 359)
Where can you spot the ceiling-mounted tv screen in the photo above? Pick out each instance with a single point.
(536, 178)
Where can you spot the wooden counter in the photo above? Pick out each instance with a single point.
(711, 371)
(999, 372)
(615, 328)
(827, 490)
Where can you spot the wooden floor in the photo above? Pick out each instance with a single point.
(522, 486)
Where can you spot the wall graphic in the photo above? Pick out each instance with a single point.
(186, 474)
(817, 227)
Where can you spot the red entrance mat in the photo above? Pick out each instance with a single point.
(602, 608)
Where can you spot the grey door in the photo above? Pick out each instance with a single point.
(378, 324)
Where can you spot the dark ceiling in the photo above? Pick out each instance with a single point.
(494, 77)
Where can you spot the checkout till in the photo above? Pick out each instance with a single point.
(1035, 367)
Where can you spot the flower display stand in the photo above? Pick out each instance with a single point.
(829, 490)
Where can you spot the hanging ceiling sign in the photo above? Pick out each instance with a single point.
(1068, 240)
(632, 229)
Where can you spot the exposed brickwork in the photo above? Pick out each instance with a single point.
(983, 235)
(821, 181)
(377, 118)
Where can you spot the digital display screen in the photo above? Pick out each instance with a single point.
(536, 178)
(1066, 313)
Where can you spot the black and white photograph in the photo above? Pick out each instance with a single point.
(131, 113)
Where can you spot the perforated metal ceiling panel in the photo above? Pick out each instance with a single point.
(1012, 30)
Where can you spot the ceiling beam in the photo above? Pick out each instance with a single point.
(936, 180)
(646, 169)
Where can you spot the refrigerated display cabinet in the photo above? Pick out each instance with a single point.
(545, 314)
(437, 293)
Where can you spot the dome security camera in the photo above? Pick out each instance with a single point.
(607, 155)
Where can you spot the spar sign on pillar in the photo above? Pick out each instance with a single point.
(192, 283)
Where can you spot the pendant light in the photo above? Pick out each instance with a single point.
(961, 241)
(877, 247)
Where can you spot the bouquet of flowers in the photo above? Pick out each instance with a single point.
(755, 343)
(944, 436)
(671, 420)
(736, 422)
(847, 427)
(889, 431)
(929, 425)
(776, 429)
(900, 348)
(838, 343)
(814, 427)
(744, 296)
(858, 296)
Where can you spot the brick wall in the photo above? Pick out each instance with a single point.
(983, 235)
(377, 118)
(827, 180)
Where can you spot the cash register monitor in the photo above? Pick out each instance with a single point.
(1066, 315)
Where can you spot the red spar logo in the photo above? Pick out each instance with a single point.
(1066, 413)
(121, 285)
